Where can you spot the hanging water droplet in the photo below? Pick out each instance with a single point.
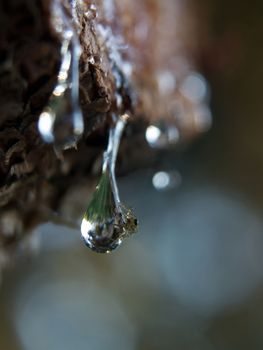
(102, 226)
(61, 122)
(107, 222)
(194, 87)
(162, 136)
(152, 134)
(164, 180)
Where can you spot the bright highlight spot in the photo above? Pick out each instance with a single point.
(62, 75)
(152, 134)
(86, 227)
(166, 180)
(59, 90)
(161, 180)
(45, 126)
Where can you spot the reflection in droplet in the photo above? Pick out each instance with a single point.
(163, 180)
(101, 237)
(194, 87)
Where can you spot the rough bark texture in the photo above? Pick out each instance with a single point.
(120, 71)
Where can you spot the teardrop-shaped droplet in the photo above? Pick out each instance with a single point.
(105, 225)
(61, 122)
(107, 221)
(67, 122)
(102, 226)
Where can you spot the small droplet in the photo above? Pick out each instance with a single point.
(61, 123)
(164, 180)
(105, 224)
(152, 134)
(194, 87)
(162, 136)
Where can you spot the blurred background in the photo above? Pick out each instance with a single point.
(192, 278)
